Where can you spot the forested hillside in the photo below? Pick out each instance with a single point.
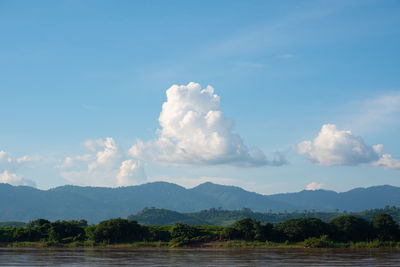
(22, 203)
(155, 216)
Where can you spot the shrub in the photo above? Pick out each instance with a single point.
(315, 242)
(300, 229)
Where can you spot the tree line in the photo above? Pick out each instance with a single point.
(312, 231)
(219, 216)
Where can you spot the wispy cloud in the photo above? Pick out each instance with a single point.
(286, 56)
(374, 113)
(246, 64)
(276, 34)
(89, 107)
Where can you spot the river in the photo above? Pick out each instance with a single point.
(198, 257)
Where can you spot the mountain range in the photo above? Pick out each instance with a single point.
(22, 203)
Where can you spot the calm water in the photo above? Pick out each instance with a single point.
(199, 257)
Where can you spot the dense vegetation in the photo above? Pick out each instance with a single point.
(153, 216)
(312, 232)
(12, 224)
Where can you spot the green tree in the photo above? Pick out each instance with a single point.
(68, 230)
(6, 234)
(41, 226)
(38, 223)
(117, 231)
(230, 233)
(300, 229)
(349, 228)
(158, 233)
(248, 229)
(384, 227)
(183, 231)
(26, 234)
(267, 232)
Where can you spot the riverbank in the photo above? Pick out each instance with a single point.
(210, 244)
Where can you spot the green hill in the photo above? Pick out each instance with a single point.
(153, 216)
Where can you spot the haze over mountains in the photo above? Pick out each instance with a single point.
(22, 203)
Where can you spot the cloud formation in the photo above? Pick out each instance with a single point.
(9, 165)
(14, 179)
(106, 165)
(313, 186)
(108, 154)
(387, 162)
(337, 147)
(333, 147)
(7, 162)
(71, 161)
(194, 131)
(131, 172)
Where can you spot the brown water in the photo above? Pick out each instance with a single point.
(198, 257)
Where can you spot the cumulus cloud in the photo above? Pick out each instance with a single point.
(194, 131)
(131, 172)
(387, 162)
(333, 147)
(14, 179)
(313, 186)
(106, 165)
(337, 147)
(108, 154)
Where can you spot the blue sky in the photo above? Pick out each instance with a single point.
(74, 73)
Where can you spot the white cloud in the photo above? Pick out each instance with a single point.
(14, 179)
(6, 161)
(387, 162)
(106, 165)
(337, 147)
(94, 145)
(131, 173)
(24, 159)
(71, 161)
(340, 147)
(194, 131)
(108, 155)
(313, 186)
(5, 158)
(7, 164)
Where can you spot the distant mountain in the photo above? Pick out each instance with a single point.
(232, 197)
(22, 203)
(357, 199)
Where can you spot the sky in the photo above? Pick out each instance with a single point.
(271, 96)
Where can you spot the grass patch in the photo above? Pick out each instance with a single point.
(308, 243)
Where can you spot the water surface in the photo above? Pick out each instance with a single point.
(198, 257)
